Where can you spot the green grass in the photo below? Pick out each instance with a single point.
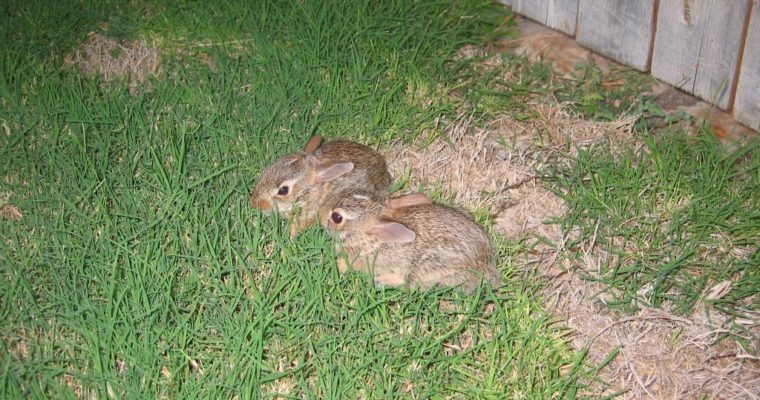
(138, 268)
(510, 85)
(679, 216)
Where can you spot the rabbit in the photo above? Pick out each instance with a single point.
(409, 241)
(297, 184)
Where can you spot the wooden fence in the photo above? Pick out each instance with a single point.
(709, 48)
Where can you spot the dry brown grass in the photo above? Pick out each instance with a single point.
(9, 211)
(110, 59)
(661, 355)
(492, 165)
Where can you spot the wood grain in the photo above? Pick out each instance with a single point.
(556, 14)
(619, 29)
(747, 104)
(697, 46)
(562, 15)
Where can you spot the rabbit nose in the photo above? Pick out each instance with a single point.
(262, 204)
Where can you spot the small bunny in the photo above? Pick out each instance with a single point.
(297, 184)
(409, 241)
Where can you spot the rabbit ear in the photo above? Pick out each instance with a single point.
(313, 144)
(289, 159)
(408, 200)
(392, 232)
(333, 171)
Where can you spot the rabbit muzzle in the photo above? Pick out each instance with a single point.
(262, 204)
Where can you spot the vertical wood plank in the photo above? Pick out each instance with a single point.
(533, 9)
(562, 15)
(556, 14)
(697, 46)
(619, 29)
(747, 104)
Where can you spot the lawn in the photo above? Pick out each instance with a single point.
(132, 263)
(133, 266)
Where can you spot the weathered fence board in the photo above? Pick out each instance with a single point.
(563, 15)
(747, 105)
(697, 46)
(619, 29)
(556, 14)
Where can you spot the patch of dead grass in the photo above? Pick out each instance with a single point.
(110, 59)
(9, 211)
(661, 355)
(492, 165)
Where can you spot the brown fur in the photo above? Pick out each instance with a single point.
(449, 248)
(301, 170)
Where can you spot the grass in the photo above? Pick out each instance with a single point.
(509, 86)
(678, 216)
(132, 265)
(137, 268)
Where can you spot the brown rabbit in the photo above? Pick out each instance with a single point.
(409, 241)
(303, 180)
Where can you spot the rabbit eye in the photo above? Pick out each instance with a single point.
(283, 190)
(337, 218)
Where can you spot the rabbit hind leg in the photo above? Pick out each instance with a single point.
(389, 279)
